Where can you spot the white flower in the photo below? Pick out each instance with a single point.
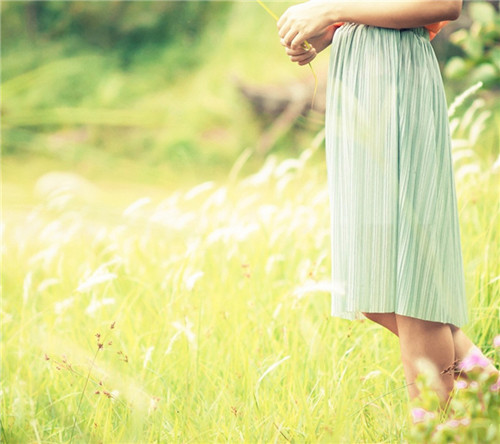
(98, 277)
(61, 306)
(198, 189)
(191, 279)
(147, 356)
(185, 328)
(371, 375)
(95, 305)
(27, 285)
(46, 283)
(312, 286)
(136, 205)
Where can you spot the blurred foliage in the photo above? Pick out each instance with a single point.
(112, 25)
(77, 76)
(88, 84)
(481, 48)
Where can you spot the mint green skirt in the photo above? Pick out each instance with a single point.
(395, 239)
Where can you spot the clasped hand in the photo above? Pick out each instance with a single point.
(301, 23)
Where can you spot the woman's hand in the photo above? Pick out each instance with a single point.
(305, 21)
(302, 55)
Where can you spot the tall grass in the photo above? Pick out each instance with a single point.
(202, 315)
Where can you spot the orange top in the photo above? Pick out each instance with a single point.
(433, 28)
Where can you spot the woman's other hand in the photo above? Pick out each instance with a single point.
(302, 22)
(302, 55)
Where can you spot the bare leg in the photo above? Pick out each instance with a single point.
(387, 320)
(462, 344)
(432, 341)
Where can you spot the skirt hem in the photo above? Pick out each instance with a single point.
(358, 315)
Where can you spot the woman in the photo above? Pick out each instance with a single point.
(396, 253)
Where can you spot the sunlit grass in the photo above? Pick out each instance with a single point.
(221, 315)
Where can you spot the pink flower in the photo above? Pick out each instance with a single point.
(420, 414)
(460, 384)
(453, 423)
(496, 341)
(465, 421)
(473, 359)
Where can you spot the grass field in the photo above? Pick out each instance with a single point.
(201, 314)
(160, 291)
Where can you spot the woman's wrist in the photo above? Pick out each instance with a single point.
(333, 11)
(329, 10)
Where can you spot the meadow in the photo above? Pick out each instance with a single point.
(161, 282)
(202, 315)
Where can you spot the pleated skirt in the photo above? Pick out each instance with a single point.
(395, 239)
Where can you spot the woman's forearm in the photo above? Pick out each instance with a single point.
(309, 19)
(394, 14)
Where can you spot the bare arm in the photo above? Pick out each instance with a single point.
(306, 20)
(397, 14)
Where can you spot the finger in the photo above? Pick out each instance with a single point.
(302, 60)
(284, 43)
(290, 37)
(281, 21)
(305, 62)
(308, 59)
(296, 52)
(296, 42)
(283, 29)
(300, 57)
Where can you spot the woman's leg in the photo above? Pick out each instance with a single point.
(387, 320)
(432, 341)
(462, 344)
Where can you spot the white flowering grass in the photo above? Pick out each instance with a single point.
(220, 311)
